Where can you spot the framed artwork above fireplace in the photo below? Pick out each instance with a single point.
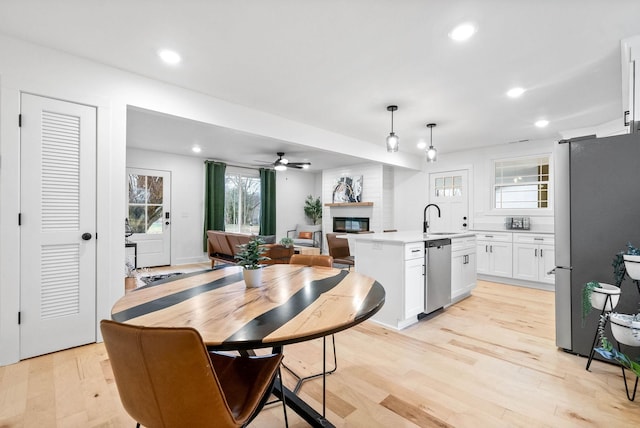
(348, 189)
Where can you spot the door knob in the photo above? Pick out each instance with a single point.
(86, 236)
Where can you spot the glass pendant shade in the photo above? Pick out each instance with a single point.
(392, 143)
(432, 154)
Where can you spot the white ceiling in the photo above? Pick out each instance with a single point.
(336, 64)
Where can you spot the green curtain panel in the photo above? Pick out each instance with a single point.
(267, 202)
(213, 198)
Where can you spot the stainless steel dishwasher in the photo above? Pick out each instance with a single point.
(438, 279)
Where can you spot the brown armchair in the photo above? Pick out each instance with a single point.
(339, 250)
(166, 378)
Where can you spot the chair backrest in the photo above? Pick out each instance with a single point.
(311, 260)
(218, 242)
(165, 377)
(338, 247)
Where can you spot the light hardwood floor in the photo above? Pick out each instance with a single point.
(488, 361)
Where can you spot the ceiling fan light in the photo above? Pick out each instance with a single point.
(280, 167)
(392, 143)
(305, 166)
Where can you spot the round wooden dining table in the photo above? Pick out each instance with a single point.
(294, 304)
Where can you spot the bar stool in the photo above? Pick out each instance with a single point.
(604, 298)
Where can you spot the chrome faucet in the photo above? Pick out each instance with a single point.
(425, 223)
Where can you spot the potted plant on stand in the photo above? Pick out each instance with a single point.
(249, 257)
(313, 209)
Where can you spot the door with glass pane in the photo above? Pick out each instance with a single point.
(449, 190)
(149, 202)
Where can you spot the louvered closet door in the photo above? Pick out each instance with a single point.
(58, 206)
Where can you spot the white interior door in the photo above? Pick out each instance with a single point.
(149, 202)
(449, 190)
(58, 223)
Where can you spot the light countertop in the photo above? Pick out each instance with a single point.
(405, 237)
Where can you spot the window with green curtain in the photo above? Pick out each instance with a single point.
(214, 198)
(267, 202)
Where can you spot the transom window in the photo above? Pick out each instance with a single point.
(522, 183)
(448, 187)
(242, 203)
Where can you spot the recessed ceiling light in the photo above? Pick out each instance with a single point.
(515, 92)
(463, 32)
(169, 57)
(542, 123)
(196, 149)
(421, 145)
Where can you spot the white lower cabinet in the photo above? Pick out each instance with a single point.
(463, 266)
(414, 286)
(399, 268)
(494, 254)
(533, 257)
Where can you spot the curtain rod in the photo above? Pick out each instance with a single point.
(235, 166)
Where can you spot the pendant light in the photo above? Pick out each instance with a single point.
(432, 153)
(393, 140)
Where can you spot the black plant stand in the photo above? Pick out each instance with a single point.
(607, 303)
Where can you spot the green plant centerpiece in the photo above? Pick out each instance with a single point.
(286, 242)
(313, 208)
(249, 257)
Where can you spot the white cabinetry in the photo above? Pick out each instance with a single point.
(463, 266)
(494, 253)
(414, 279)
(399, 268)
(533, 257)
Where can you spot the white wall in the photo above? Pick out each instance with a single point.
(372, 191)
(25, 67)
(411, 188)
(187, 200)
(292, 188)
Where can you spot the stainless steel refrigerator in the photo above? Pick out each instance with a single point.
(597, 211)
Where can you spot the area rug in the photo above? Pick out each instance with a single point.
(153, 278)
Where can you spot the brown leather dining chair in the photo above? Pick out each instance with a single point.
(166, 378)
(323, 261)
(311, 260)
(339, 250)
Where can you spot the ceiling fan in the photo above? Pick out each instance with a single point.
(282, 163)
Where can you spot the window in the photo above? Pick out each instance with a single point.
(522, 183)
(145, 203)
(448, 187)
(242, 203)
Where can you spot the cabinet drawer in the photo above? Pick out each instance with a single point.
(530, 238)
(414, 250)
(458, 244)
(494, 236)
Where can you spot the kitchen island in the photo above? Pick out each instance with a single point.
(399, 261)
